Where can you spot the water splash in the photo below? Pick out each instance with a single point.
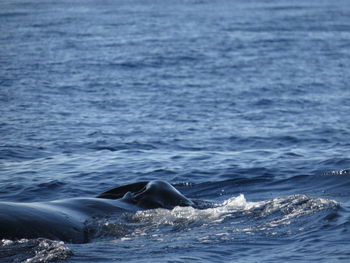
(33, 250)
(234, 215)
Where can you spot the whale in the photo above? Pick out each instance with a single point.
(66, 219)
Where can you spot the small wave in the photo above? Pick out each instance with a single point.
(33, 250)
(21, 152)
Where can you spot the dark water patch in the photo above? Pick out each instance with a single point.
(21, 152)
(54, 184)
(124, 146)
(103, 145)
(31, 191)
(222, 189)
(259, 142)
(10, 15)
(10, 191)
(336, 162)
(159, 173)
(332, 185)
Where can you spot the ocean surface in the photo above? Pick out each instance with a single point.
(244, 103)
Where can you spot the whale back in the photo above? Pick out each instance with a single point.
(120, 191)
(66, 219)
(153, 194)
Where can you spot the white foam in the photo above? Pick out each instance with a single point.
(49, 250)
(35, 250)
(5, 242)
(260, 216)
(189, 214)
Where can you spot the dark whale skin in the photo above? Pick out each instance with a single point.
(65, 219)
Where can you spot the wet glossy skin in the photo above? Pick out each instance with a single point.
(65, 219)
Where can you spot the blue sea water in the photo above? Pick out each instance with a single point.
(243, 103)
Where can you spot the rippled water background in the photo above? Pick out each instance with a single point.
(220, 98)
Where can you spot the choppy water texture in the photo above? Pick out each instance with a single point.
(243, 103)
